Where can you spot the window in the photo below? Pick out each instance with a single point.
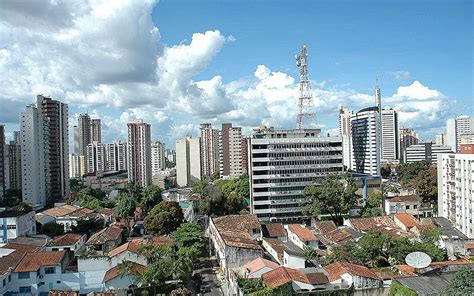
(23, 275)
(58, 282)
(25, 289)
(11, 227)
(4, 282)
(9, 278)
(407, 207)
(49, 270)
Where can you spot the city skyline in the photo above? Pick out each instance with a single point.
(213, 68)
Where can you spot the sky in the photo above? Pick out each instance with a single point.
(176, 64)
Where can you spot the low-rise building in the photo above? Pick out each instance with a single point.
(274, 230)
(300, 281)
(67, 242)
(409, 204)
(105, 240)
(344, 275)
(285, 253)
(16, 223)
(302, 236)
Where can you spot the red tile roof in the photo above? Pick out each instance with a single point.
(273, 230)
(235, 230)
(105, 235)
(335, 270)
(133, 245)
(283, 275)
(67, 239)
(33, 261)
(60, 211)
(324, 227)
(406, 219)
(469, 246)
(380, 224)
(10, 261)
(405, 198)
(63, 293)
(277, 245)
(338, 236)
(115, 271)
(303, 233)
(107, 212)
(258, 264)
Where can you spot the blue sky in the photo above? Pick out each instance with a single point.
(177, 64)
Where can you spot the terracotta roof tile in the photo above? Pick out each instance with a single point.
(303, 233)
(235, 230)
(283, 275)
(469, 246)
(105, 235)
(33, 261)
(107, 212)
(273, 230)
(258, 264)
(324, 227)
(405, 198)
(115, 271)
(335, 270)
(83, 213)
(277, 245)
(11, 260)
(60, 211)
(406, 219)
(339, 235)
(380, 224)
(134, 245)
(63, 293)
(67, 239)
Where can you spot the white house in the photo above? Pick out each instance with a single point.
(300, 281)
(343, 275)
(285, 253)
(302, 236)
(67, 242)
(14, 224)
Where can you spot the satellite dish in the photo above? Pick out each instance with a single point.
(418, 260)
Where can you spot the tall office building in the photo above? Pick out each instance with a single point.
(408, 137)
(441, 139)
(84, 133)
(171, 155)
(34, 154)
(209, 150)
(366, 137)
(77, 165)
(57, 139)
(455, 127)
(282, 163)
(188, 163)
(139, 153)
(14, 152)
(2, 162)
(346, 135)
(389, 132)
(230, 151)
(426, 151)
(96, 131)
(96, 157)
(245, 154)
(157, 157)
(455, 190)
(116, 156)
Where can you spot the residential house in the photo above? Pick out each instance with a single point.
(16, 223)
(405, 221)
(252, 270)
(274, 230)
(344, 275)
(285, 253)
(302, 236)
(105, 240)
(383, 224)
(300, 281)
(114, 279)
(108, 215)
(451, 238)
(410, 204)
(67, 242)
(66, 215)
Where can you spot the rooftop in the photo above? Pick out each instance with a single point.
(60, 211)
(381, 224)
(405, 198)
(63, 293)
(133, 245)
(258, 264)
(38, 240)
(105, 235)
(427, 285)
(33, 261)
(273, 230)
(406, 219)
(283, 275)
(11, 260)
(235, 230)
(335, 270)
(115, 271)
(324, 227)
(67, 239)
(303, 233)
(12, 214)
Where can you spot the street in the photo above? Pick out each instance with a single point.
(207, 273)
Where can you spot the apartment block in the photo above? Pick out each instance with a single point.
(77, 166)
(456, 127)
(389, 133)
(96, 131)
(230, 151)
(188, 161)
(14, 157)
(209, 150)
(116, 156)
(157, 157)
(83, 133)
(345, 131)
(366, 141)
(96, 157)
(139, 152)
(282, 163)
(426, 151)
(2, 162)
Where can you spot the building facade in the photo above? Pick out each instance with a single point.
(77, 166)
(456, 190)
(408, 137)
(441, 140)
(426, 151)
(282, 163)
(209, 150)
(366, 141)
(96, 131)
(345, 131)
(188, 164)
(2, 162)
(83, 133)
(455, 127)
(96, 157)
(230, 151)
(157, 157)
(389, 132)
(139, 152)
(14, 153)
(116, 156)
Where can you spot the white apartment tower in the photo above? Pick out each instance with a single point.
(455, 127)
(282, 163)
(139, 153)
(188, 163)
(346, 135)
(157, 157)
(77, 166)
(456, 190)
(366, 141)
(96, 157)
(389, 132)
(209, 150)
(116, 156)
(230, 151)
(441, 139)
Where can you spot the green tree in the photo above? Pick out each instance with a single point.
(334, 196)
(385, 171)
(373, 205)
(371, 212)
(52, 229)
(462, 283)
(212, 201)
(126, 268)
(189, 239)
(426, 184)
(151, 196)
(199, 186)
(125, 206)
(23, 207)
(431, 235)
(400, 290)
(310, 253)
(135, 191)
(12, 197)
(372, 249)
(87, 226)
(164, 218)
(75, 185)
(408, 171)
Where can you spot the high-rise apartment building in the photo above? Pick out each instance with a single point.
(96, 157)
(171, 155)
(209, 150)
(139, 153)
(441, 139)
(188, 163)
(345, 131)
(55, 114)
(456, 190)
(116, 156)
(408, 137)
(455, 127)
(157, 157)
(34, 155)
(230, 151)
(282, 163)
(84, 133)
(466, 138)
(389, 133)
(366, 137)
(2, 162)
(14, 152)
(245, 154)
(96, 131)
(77, 165)
(75, 130)
(426, 151)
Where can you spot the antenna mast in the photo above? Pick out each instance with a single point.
(305, 115)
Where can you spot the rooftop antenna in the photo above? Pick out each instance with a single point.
(306, 114)
(378, 97)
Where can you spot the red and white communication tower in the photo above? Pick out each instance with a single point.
(306, 116)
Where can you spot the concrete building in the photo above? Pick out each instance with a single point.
(230, 151)
(466, 138)
(170, 155)
(77, 166)
(455, 127)
(139, 153)
(441, 140)
(345, 131)
(389, 132)
(456, 190)
(426, 151)
(75, 130)
(188, 163)
(2, 162)
(96, 131)
(84, 133)
(209, 150)
(366, 140)
(157, 157)
(14, 224)
(282, 163)
(14, 158)
(116, 156)
(96, 157)
(408, 137)
(245, 155)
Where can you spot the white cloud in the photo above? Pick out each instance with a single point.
(400, 74)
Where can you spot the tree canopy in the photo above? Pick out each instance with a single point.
(462, 283)
(426, 184)
(125, 205)
(150, 197)
(189, 239)
(52, 229)
(408, 171)
(87, 226)
(164, 218)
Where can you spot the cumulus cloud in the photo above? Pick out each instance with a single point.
(400, 74)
